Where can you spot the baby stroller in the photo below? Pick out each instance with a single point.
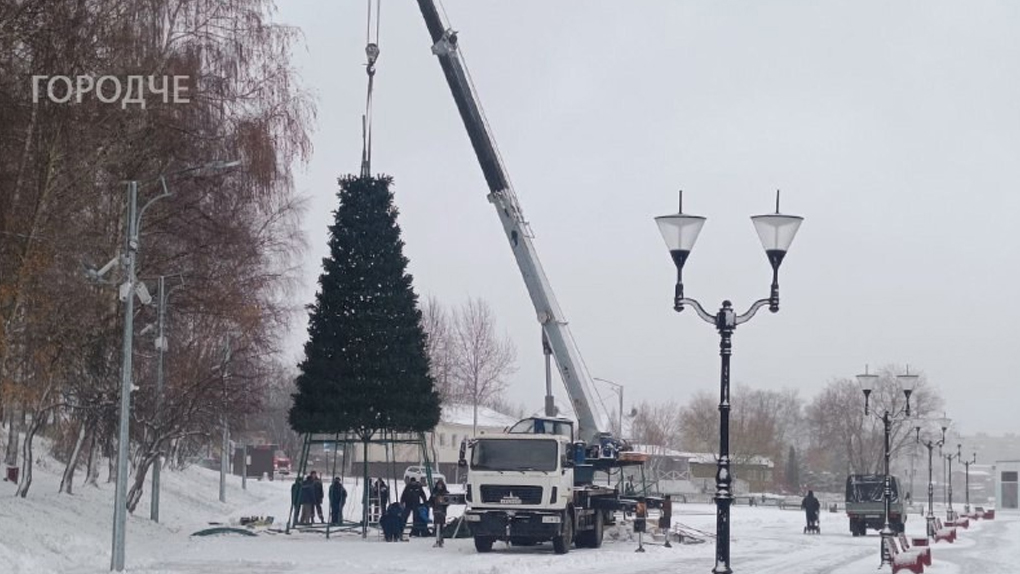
(420, 524)
(812, 523)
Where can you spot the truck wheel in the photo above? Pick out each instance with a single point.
(484, 543)
(592, 538)
(561, 544)
(596, 537)
(856, 528)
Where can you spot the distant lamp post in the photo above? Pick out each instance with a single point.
(931, 445)
(950, 513)
(907, 382)
(966, 465)
(618, 389)
(680, 231)
(161, 345)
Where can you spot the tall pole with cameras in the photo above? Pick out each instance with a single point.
(128, 290)
(931, 445)
(680, 231)
(867, 382)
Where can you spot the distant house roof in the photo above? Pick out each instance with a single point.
(698, 457)
(463, 414)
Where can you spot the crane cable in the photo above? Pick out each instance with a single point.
(372, 54)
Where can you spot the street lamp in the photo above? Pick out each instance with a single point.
(907, 382)
(950, 515)
(225, 446)
(161, 346)
(680, 231)
(966, 465)
(128, 289)
(618, 389)
(930, 445)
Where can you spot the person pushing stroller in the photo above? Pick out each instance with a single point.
(811, 506)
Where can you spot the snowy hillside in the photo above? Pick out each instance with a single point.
(50, 533)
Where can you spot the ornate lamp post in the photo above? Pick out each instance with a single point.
(680, 231)
(931, 445)
(867, 382)
(966, 465)
(950, 515)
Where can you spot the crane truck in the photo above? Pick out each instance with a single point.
(536, 481)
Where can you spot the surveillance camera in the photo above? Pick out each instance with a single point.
(143, 293)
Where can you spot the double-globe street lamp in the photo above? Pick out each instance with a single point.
(127, 290)
(966, 465)
(680, 231)
(867, 382)
(931, 445)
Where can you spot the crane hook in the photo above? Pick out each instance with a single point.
(372, 52)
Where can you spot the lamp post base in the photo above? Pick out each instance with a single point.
(887, 535)
(930, 519)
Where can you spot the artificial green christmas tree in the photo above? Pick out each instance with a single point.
(366, 366)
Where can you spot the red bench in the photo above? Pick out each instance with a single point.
(943, 532)
(922, 549)
(904, 559)
(960, 522)
(989, 514)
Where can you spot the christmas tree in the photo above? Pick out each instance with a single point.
(365, 366)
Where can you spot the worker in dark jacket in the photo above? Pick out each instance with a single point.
(319, 496)
(391, 525)
(308, 500)
(337, 499)
(439, 500)
(412, 497)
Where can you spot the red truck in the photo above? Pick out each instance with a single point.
(281, 464)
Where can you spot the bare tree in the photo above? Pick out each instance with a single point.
(844, 440)
(657, 425)
(62, 204)
(482, 360)
(436, 321)
(763, 423)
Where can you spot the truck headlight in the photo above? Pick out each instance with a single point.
(551, 520)
(473, 517)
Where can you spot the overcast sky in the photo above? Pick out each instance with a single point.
(892, 127)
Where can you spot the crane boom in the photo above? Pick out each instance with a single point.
(501, 195)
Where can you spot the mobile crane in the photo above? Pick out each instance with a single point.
(535, 482)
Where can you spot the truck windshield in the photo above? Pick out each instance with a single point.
(513, 454)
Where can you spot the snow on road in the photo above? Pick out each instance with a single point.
(49, 533)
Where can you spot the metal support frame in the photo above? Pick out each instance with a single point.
(348, 439)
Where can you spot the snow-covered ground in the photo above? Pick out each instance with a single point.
(50, 533)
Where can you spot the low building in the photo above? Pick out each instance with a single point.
(750, 473)
(679, 473)
(456, 424)
(1007, 487)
